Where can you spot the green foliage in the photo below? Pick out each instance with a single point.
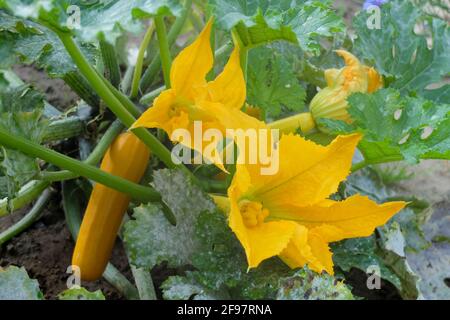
(151, 239)
(106, 20)
(261, 21)
(30, 43)
(16, 285)
(412, 128)
(81, 294)
(306, 285)
(272, 84)
(403, 56)
(21, 110)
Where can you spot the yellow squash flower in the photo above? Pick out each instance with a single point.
(216, 104)
(289, 214)
(331, 101)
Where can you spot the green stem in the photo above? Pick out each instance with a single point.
(82, 88)
(164, 49)
(304, 121)
(153, 68)
(149, 97)
(93, 159)
(140, 61)
(63, 129)
(127, 78)
(28, 219)
(114, 103)
(144, 283)
(110, 62)
(32, 149)
(358, 166)
(26, 194)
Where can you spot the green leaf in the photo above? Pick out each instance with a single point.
(21, 110)
(412, 128)
(393, 252)
(106, 20)
(307, 285)
(432, 264)
(16, 285)
(151, 238)
(272, 84)
(400, 54)
(361, 253)
(186, 288)
(31, 43)
(81, 294)
(258, 22)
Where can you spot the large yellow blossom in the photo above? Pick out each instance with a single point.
(216, 104)
(331, 101)
(289, 214)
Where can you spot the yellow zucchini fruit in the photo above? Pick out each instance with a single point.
(128, 158)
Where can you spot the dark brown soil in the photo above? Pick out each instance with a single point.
(45, 251)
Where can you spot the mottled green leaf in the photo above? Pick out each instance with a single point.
(185, 288)
(262, 21)
(307, 285)
(30, 43)
(362, 254)
(81, 294)
(272, 84)
(412, 128)
(106, 20)
(393, 252)
(399, 53)
(21, 110)
(151, 238)
(432, 264)
(15, 284)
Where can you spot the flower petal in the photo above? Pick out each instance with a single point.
(262, 241)
(158, 115)
(308, 173)
(229, 87)
(357, 216)
(308, 248)
(192, 64)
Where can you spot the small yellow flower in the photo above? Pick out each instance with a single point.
(331, 101)
(289, 214)
(216, 104)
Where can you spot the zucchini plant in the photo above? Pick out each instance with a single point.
(267, 123)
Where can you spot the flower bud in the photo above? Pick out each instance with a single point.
(331, 101)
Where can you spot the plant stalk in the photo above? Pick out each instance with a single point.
(140, 61)
(28, 219)
(136, 191)
(164, 49)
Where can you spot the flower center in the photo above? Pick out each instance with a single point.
(253, 213)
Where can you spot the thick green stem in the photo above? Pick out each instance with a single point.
(114, 103)
(28, 219)
(144, 283)
(361, 165)
(303, 121)
(153, 68)
(26, 194)
(63, 129)
(112, 69)
(140, 61)
(82, 88)
(136, 191)
(93, 159)
(164, 49)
